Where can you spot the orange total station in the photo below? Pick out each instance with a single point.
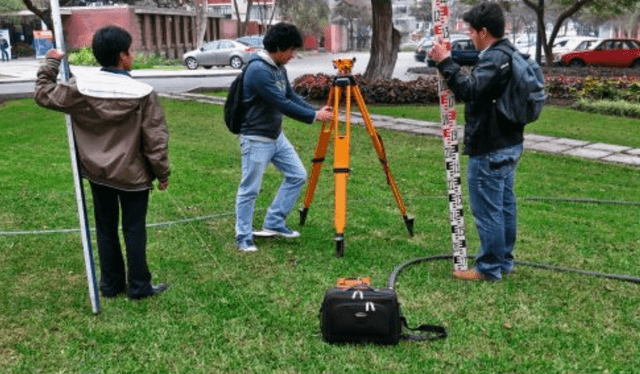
(345, 85)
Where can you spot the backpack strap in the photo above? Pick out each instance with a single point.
(244, 69)
(431, 332)
(505, 49)
(250, 61)
(509, 52)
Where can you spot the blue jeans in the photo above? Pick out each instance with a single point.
(491, 179)
(256, 155)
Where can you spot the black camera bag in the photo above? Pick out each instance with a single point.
(362, 314)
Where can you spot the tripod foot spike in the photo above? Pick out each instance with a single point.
(339, 245)
(303, 215)
(409, 222)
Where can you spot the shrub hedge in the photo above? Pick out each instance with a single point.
(424, 90)
(618, 108)
(84, 57)
(316, 87)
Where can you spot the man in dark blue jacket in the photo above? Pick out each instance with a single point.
(268, 97)
(493, 144)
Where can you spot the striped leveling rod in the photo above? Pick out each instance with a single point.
(451, 148)
(90, 266)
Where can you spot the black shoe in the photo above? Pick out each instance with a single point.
(111, 295)
(154, 291)
(158, 288)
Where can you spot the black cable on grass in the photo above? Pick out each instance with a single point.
(585, 201)
(398, 269)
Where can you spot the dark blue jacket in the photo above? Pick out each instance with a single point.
(486, 129)
(268, 96)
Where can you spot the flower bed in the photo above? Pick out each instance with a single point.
(564, 85)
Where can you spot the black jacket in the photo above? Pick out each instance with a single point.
(486, 130)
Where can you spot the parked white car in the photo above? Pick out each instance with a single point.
(562, 45)
(530, 50)
(523, 40)
(574, 43)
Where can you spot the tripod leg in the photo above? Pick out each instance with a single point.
(379, 147)
(318, 158)
(341, 174)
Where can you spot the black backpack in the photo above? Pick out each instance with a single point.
(524, 96)
(234, 111)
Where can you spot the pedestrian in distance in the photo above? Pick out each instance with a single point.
(494, 145)
(267, 97)
(122, 144)
(4, 46)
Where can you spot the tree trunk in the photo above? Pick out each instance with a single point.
(273, 12)
(44, 15)
(385, 42)
(239, 30)
(247, 18)
(201, 23)
(547, 44)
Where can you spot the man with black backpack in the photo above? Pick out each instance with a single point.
(493, 143)
(267, 97)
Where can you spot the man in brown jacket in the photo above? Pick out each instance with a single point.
(122, 143)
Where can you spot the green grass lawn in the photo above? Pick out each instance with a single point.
(228, 312)
(554, 121)
(562, 122)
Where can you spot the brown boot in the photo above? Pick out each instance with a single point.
(472, 275)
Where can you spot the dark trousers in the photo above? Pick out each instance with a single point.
(107, 202)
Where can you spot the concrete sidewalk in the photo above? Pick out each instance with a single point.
(24, 70)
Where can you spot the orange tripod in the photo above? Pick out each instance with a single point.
(345, 82)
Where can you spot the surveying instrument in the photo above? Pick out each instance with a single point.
(345, 83)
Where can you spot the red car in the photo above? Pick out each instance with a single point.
(621, 53)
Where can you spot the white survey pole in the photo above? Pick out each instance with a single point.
(82, 209)
(451, 147)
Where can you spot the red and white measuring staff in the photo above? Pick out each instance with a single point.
(451, 148)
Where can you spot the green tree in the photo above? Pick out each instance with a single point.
(11, 6)
(562, 10)
(567, 9)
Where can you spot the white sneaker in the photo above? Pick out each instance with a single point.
(247, 246)
(282, 231)
(264, 234)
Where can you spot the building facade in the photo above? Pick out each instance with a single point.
(170, 32)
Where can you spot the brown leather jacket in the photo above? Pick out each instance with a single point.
(118, 123)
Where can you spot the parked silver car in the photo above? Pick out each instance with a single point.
(223, 52)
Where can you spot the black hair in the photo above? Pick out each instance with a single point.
(487, 15)
(108, 43)
(281, 37)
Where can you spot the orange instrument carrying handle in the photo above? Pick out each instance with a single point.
(346, 283)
